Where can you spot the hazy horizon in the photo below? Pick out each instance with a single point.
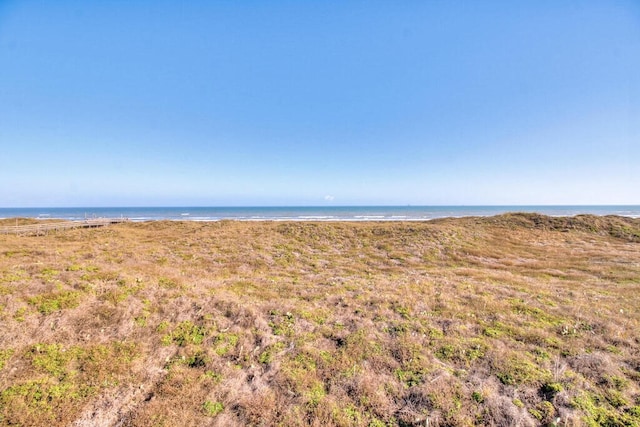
(313, 206)
(309, 213)
(319, 104)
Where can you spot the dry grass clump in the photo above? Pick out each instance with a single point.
(7, 222)
(519, 319)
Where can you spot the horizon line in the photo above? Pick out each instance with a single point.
(322, 206)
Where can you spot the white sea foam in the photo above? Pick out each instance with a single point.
(318, 213)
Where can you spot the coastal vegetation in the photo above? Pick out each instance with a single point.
(517, 319)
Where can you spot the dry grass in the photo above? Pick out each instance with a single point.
(512, 320)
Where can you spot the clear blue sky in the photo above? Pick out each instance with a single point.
(146, 103)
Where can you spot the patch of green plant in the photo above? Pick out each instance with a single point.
(516, 370)
(541, 354)
(358, 347)
(599, 413)
(118, 294)
(553, 342)
(317, 316)
(115, 296)
(462, 351)
(212, 409)
(403, 311)
(474, 349)
(410, 377)
(50, 302)
(315, 394)
(326, 357)
(435, 333)
(536, 414)
(52, 358)
(19, 315)
(213, 376)
(526, 309)
(613, 349)
(543, 411)
(225, 342)
(349, 415)
(449, 401)
(167, 283)
(14, 276)
(49, 274)
(141, 320)
(93, 274)
(282, 324)
(5, 354)
(300, 371)
(196, 360)
(477, 397)
(397, 328)
(185, 333)
(67, 376)
(266, 356)
(96, 361)
(551, 389)
(163, 326)
(615, 398)
(100, 365)
(492, 332)
(40, 399)
(375, 422)
(618, 382)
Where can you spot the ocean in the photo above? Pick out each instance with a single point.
(307, 213)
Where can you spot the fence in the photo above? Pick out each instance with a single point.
(54, 226)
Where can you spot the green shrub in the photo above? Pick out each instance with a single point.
(552, 388)
(55, 301)
(266, 356)
(410, 377)
(212, 409)
(186, 333)
(492, 332)
(598, 413)
(225, 342)
(515, 371)
(4, 356)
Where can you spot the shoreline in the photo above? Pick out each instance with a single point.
(310, 213)
(8, 221)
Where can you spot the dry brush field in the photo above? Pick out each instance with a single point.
(518, 319)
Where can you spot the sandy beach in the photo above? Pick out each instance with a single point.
(517, 319)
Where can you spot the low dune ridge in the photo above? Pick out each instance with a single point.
(516, 319)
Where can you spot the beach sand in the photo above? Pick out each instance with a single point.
(517, 319)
